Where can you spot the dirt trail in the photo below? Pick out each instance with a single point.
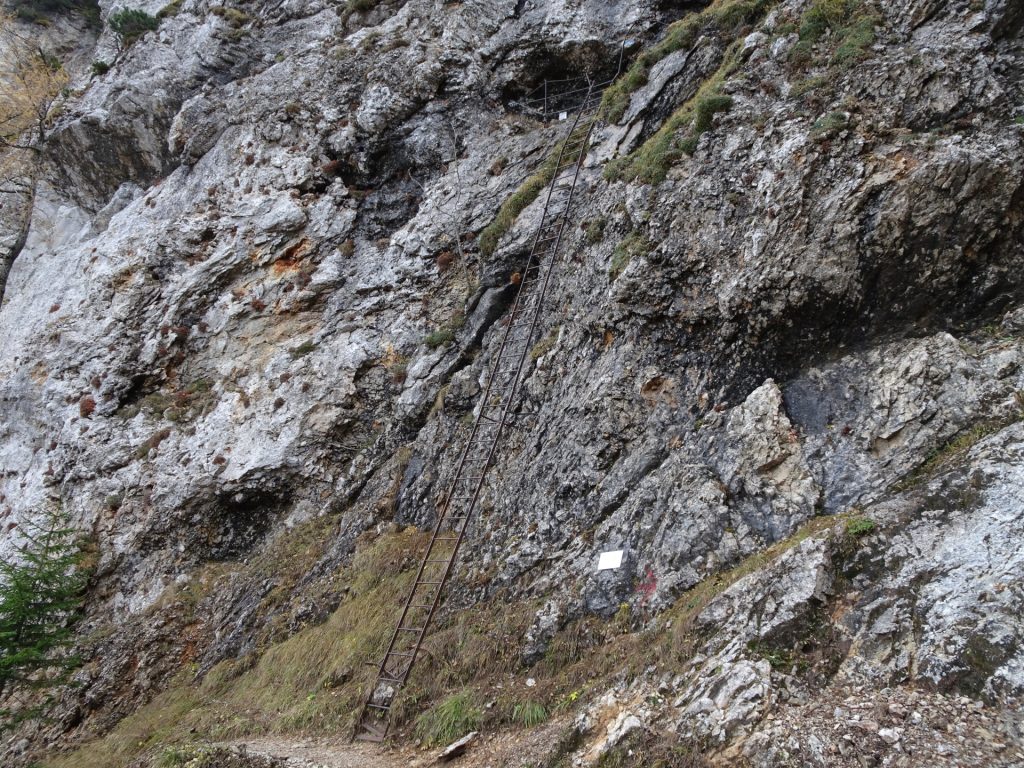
(501, 750)
(328, 754)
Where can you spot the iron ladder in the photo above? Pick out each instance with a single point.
(492, 415)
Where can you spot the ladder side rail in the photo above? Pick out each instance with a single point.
(495, 365)
(510, 392)
(547, 277)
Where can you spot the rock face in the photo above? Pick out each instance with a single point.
(254, 228)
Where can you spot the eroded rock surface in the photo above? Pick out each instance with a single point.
(254, 228)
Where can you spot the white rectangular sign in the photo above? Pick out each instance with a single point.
(609, 560)
(563, 115)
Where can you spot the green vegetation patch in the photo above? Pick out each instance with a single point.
(946, 455)
(593, 230)
(131, 24)
(680, 133)
(527, 192)
(722, 16)
(445, 335)
(859, 526)
(850, 22)
(829, 124)
(41, 593)
(42, 11)
(529, 714)
(449, 720)
(232, 16)
(633, 244)
(313, 681)
(170, 10)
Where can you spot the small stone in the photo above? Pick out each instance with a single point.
(897, 711)
(458, 747)
(890, 735)
(868, 726)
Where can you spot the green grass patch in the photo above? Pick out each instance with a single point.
(232, 16)
(312, 681)
(859, 526)
(632, 245)
(529, 714)
(829, 124)
(679, 134)
(526, 193)
(449, 720)
(946, 455)
(809, 84)
(724, 17)
(593, 230)
(445, 335)
(850, 22)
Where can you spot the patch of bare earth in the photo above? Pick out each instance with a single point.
(509, 749)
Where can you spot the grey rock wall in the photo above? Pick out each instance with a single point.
(249, 230)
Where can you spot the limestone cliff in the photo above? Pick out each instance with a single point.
(780, 367)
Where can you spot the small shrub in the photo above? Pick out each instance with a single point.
(440, 337)
(828, 124)
(398, 372)
(131, 24)
(232, 16)
(859, 526)
(444, 260)
(594, 230)
(100, 68)
(498, 166)
(529, 714)
(445, 334)
(347, 248)
(452, 718)
(170, 10)
(152, 443)
(86, 406)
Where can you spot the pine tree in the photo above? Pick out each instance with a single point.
(41, 592)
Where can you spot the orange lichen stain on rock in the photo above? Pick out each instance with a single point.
(291, 259)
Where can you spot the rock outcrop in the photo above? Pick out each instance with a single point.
(254, 255)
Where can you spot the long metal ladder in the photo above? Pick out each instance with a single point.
(492, 415)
